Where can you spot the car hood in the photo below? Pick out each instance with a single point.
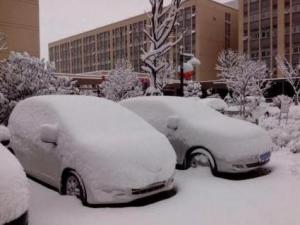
(131, 160)
(227, 138)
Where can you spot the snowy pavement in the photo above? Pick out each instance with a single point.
(273, 199)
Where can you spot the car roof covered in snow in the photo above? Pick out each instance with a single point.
(14, 193)
(181, 106)
(83, 115)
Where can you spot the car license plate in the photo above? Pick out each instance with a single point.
(265, 157)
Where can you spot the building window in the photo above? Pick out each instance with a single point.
(227, 30)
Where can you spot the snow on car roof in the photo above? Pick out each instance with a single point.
(14, 194)
(83, 115)
(182, 106)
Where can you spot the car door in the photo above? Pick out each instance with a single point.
(48, 161)
(175, 137)
(42, 161)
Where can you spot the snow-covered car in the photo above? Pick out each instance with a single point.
(200, 134)
(14, 193)
(216, 103)
(91, 148)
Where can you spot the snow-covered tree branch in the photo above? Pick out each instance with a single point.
(22, 76)
(122, 83)
(162, 21)
(290, 74)
(244, 77)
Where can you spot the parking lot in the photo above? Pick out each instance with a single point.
(271, 196)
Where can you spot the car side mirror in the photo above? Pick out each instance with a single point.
(173, 122)
(49, 134)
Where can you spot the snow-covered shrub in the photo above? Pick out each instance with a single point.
(284, 135)
(22, 76)
(192, 89)
(243, 77)
(122, 83)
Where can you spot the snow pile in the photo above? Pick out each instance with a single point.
(109, 146)
(4, 134)
(285, 135)
(14, 194)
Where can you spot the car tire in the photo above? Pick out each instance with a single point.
(73, 186)
(208, 155)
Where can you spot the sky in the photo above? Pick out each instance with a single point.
(63, 18)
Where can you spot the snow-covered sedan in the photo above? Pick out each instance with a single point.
(200, 134)
(14, 193)
(91, 148)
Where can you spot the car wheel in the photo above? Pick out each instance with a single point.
(199, 160)
(73, 186)
(201, 157)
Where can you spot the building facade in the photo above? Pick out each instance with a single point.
(208, 26)
(268, 28)
(19, 20)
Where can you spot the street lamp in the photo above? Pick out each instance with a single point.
(191, 63)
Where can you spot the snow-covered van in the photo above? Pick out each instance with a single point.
(14, 193)
(200, 134)
(91, 148)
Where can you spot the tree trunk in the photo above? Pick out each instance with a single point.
(297, 98)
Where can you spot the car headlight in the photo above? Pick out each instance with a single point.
(171, 180)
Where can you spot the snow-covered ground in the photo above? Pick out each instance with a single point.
(272, 199)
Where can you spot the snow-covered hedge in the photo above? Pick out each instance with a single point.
(285, 135)
(22, 76)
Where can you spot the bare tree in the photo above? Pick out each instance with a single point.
(244, 77)
(162, 21)
(2, 41)
(290, 74)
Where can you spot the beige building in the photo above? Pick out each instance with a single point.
(19, 20)
(209, 28)
(268, 28)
